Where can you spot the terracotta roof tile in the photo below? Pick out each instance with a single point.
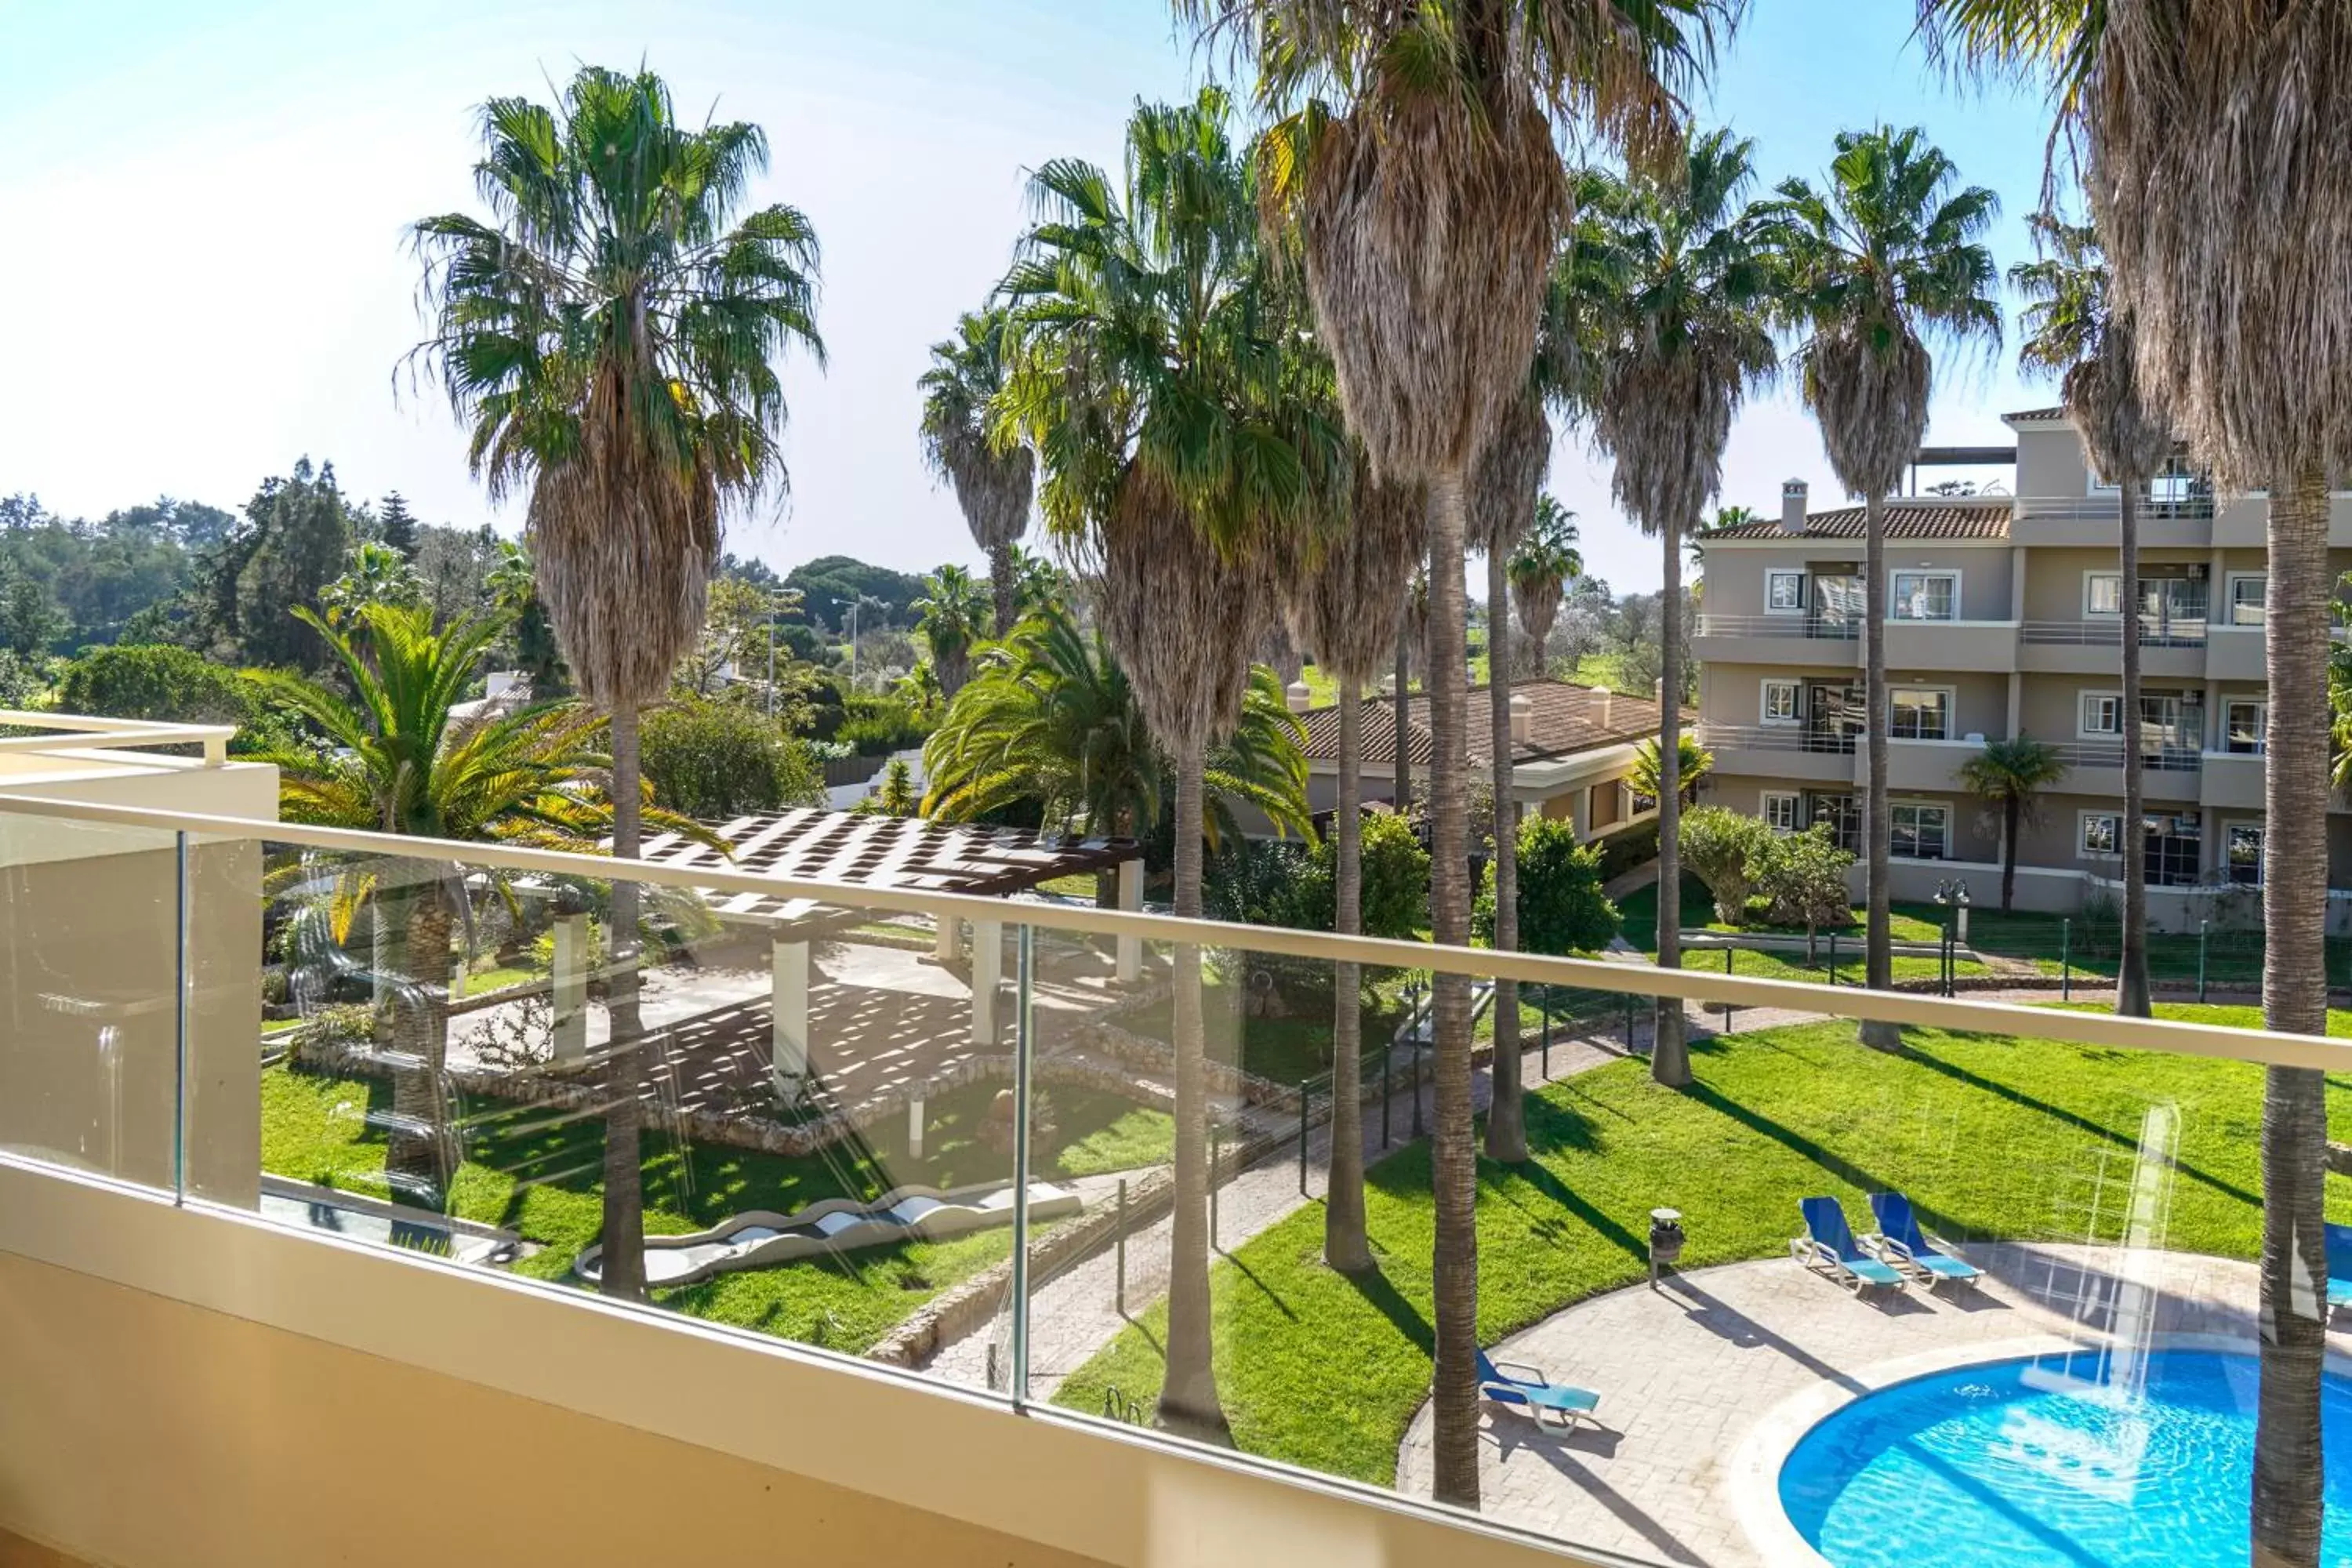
(1564, 719)
(1905, 520)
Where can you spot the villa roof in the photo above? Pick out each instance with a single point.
(908, 854)
(1905, 520)
(2030, 415)
(1564, 719)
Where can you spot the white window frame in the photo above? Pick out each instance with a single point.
(2229, 830)
(1916, 806)
(1804, 590)
(2092, 612)
(2083, 821)
(2083, 699)
(1951, 697)
(1768, 806)
(2261, 724)
(1896, 575)
(2230, 598)
(1796, 690)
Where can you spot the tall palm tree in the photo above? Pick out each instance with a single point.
(1540, 569)
(1421, 167)
(1503, 495)
(401, 763)
(1412, 632)
(2010, 775)
(1693, 763)
(1335, 606)
(954, 611)
(2071, 330)
(1680, 319)
(1887, 253)
(1154, 371)
(1051, 718)
(993, 480)
(612, 334)
(2214, 136)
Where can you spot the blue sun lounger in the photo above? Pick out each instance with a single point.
(2339, 1266)
(1526, 1390)
(1900, 1242)
(1828, 1245)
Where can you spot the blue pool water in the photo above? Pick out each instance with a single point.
(2047, 1461)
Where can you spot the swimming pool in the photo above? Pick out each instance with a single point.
(2052, 1459)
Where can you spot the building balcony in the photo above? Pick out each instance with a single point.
(1820, 644)
(2174, 650)
(2232, 781)
(2167, 775)
(271, 1177)
(2094, 521)
(1781, 751)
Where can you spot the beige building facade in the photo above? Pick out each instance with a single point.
(2005, 620)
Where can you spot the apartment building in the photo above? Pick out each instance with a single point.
(2003, 620)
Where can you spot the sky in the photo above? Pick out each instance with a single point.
(209, 276)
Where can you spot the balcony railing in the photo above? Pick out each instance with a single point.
(2159, 759)
(2153, 633)
(1778, 738)
(2104, 508)
(996, 1145)
(1827, 628)
(59, 735)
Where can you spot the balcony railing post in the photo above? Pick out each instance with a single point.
(180, 1022)
(1022, 1042)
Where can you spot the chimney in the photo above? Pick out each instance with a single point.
(1299, 696)
(1608, 704)
(1523, 718)
(1793, 494)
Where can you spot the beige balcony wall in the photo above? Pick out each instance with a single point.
(1927, 644)
(2049, 462)
(2235, 653)
(2231, 782)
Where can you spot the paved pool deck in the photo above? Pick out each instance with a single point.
(1707, 1380)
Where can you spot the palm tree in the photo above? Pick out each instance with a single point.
(2071, 330)
(1050, 719)
(954, 611)
(1336, 610)
(378, 575)
(993, 480)
(612, 335)
(1885, 252)
(1429, 197)
(2215, 135)
(1540, 569)
(2009, 776)
(401, 763)
(1509, 476)
(1693, 763)
(1412, 632)
(1154, 371)
(1677, 290)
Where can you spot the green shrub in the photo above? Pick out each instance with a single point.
(874, 725)
(713, 759)
(1805, 882)
(1731, 852)
(1562, 908)
(172, 684)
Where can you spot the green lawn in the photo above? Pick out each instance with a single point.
(1285, 1049)
(1991, 1137)
(2233, 957)
(535, 1173)
(1639, 909)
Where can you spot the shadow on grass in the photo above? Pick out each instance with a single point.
(1246, 1272)
(1374, 1288)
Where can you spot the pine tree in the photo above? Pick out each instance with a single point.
(398, 525)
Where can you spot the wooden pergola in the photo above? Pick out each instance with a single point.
(902, 854)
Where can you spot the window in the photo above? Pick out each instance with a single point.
(2103, 832)
(2247, 591)
(1643, 804)
(1783, 703)
(1843, 814)
(2245, 854)
(1926, 595)
(1919, 713)
(2174, 849)
(1781, 811)
(1922, 832)
(1784, 593)
(2103, 713)
(2244, 726)
(2103, 593)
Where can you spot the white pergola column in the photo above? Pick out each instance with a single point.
(947, 938)
(987, 972)
(1130, 897)
(914, 1129)
(788, 1048)
(570, 1032)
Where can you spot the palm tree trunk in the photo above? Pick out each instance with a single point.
(1453, 1149)
(623, 1273)
(1402, 796)
(2288, 1472)
(1669, 1046)
(2012, 813)
(1878, 828)
(2131, 972)
(1344, 1245)
(1507, 1121)
(999, 578)
(1188, 1393)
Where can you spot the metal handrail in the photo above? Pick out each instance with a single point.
(1712, 989)
(2109, 633)
(1778, 738)
(2107, 508)
(2110, 754)
(1819, 628)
